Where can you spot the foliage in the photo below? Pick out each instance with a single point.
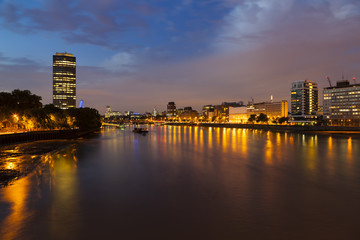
(283, 120)
(23, 110)
(252, 118)
(262, 118)
(84, 118)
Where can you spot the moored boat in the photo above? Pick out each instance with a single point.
(140, 130)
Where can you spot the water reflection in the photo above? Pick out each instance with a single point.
(57, 173)
(211, 182)
(16, 198)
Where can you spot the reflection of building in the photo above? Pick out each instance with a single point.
(342, 103)
(304, 98)
(64, 80)
(171, 109)
(110, 113)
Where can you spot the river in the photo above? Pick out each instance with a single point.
(190, 183)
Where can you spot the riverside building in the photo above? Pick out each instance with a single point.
(64, 80)
(274, 110)
(171, 109)
(304, 101)
(342, 104)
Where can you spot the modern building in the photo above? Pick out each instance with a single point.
(221, 112)
(304, 99)
(342, 104)
(273, 110)
(208, 112)
(64, 80)
(238, 114)
(171, 109)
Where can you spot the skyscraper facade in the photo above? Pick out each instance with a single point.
(304, 98)
(171, 109)
(64, 80)
(342, 104)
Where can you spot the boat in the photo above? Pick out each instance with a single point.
(141, 130)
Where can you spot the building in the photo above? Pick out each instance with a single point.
(109, 113)
(64, 80)
(171, 109)
(342, 104)
(304, 98)
(238, 114)
(188, 114)
(208, 112)
(221, 112)
(277, 109)
(273, 110)
(155, 112)
(304, 102)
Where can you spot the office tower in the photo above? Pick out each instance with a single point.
(171, 109)
(64, 80)
(304, 98)
(342, 104)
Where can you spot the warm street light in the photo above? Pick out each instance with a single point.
(16, 117)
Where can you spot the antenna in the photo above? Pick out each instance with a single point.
(354, 79)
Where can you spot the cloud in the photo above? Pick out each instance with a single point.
(253, 23)
(88, 21)
(120, 62)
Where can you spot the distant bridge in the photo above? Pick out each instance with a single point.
(112, 124)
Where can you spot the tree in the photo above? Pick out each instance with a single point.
(262, 118)
(252, 118)
(283, 120)
(24, 99)
(85, 118)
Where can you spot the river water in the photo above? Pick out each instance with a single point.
(190, 183)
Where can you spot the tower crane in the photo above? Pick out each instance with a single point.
(328, 78)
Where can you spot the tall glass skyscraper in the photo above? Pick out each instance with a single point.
(304, 98)
(64, 80)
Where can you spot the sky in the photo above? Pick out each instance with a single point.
(140, 54)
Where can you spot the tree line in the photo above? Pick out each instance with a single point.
(22, 110)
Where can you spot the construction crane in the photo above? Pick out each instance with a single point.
(354, 79)
(328, 78)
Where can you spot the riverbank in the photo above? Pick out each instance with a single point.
(18, 160)
(21, 153)
(13, 138)
(277, 128)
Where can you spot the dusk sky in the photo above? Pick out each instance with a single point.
(137, 55)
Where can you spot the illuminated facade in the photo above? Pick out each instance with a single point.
(238, 114)
(274, 110)
(171, 109)
(109, 113)
(304, 98)
(342, 103)
(208, 111)
(64, 80)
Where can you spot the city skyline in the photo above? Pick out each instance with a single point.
(135, 56)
